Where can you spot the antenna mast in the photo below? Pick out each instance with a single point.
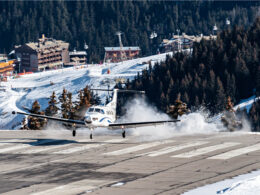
(122, 52)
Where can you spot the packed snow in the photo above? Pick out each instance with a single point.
(246, 184)
(246, 103)
(22, 92)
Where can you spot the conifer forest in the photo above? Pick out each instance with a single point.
(228, 66)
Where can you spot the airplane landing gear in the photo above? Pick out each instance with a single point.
(123, 134)
(74, 130)
(123, 131)
(91, 136)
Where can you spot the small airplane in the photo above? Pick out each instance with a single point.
(102, 116)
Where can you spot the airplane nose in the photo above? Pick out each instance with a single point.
(88, 120)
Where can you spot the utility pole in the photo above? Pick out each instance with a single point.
(86, 47)
(179, 42)
(215, 28)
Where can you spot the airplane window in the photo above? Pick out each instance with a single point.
(102, 112)
(91, 110)
(97, 110)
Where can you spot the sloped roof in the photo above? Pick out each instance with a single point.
(123, 48)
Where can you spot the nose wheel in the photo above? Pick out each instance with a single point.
(74, 130)
(91, 134)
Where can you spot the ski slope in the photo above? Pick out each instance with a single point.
(28, 88)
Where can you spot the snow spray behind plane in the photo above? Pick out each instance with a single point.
(195, 122)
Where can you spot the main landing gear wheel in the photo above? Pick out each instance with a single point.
(90, 136)
(123, 134)
(74, 133)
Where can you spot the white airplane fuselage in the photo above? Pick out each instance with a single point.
(99, 116)
(102, 115)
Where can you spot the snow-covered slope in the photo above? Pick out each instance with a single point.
(246, 103)
(23, 91)
(246, 184)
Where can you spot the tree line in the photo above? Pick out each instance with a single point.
(68, 109)
(227, 66)
(95, 22)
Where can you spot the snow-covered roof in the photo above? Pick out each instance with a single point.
(123, 48)
(77, 53)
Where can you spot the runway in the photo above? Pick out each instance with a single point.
(52, 162)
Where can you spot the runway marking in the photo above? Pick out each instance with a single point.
(205, 150)
(137, 148)
(89, 146)
(73, 188)
(236, 152)
(12, 142)
(16, 140)
(46, 148)
(42, 149)
(172, 149)
(23, 146)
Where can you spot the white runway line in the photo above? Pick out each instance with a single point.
(172, 149)
(89, 146)
(78, 187)
(205, 150)
(236, 152)
(12, 142)
(23, 146)
(16, 140)
(43, 149)
(137, 148)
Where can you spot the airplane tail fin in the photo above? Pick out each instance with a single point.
(114, 99)
(113, 102)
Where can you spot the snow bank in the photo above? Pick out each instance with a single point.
(246, 184)
(246, 103)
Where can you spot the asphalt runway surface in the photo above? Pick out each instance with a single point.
(52, 162)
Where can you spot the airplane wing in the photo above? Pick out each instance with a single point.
(139, 124)
(69, 121)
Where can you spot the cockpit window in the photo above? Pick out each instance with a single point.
(91, 110)
(97, 110)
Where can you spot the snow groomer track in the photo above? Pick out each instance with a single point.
(50, 162)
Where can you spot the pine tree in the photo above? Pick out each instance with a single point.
(70, 107)
(34, 122)
(178, 109)
(52, 109)
(36, 107)
(64, 103)
(87, 97)
(229, 105)
(219, 96)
